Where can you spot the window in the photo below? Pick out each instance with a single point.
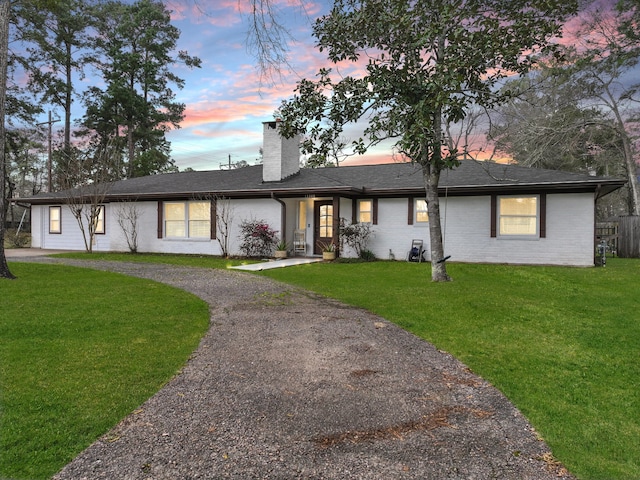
(187, 219)
(365, 211)
(422, 213)
(99, 226)
(518, 216)
(302, 215)
(326, 221)
(55, 219)
(199, 220)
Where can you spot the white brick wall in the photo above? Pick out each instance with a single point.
(466, 232)
(466, 227)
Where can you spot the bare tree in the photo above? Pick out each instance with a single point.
(604, 56)
(86, 205)
(85, 200)
(127, 216)
(224, 222)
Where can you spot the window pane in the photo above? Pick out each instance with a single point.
(518, 225)
(174, 228)
(174, 211)
(422, 217)
(365, 217)
(199, 228)
(199, 211)
(518, 206)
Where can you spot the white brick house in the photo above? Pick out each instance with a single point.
(490, 212)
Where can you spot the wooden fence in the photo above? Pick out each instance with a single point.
(629, 237)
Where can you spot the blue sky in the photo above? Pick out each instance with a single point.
(226, 103)
(225, 100)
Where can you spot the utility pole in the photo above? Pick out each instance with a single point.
(50, 122)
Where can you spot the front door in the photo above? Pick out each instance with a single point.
(323, 224)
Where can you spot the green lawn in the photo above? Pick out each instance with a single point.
(79, 350)
(562, 343)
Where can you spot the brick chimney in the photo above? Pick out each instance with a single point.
(280, 156)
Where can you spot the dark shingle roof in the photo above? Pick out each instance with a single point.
(395, 179)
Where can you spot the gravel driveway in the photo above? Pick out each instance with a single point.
(290, 385)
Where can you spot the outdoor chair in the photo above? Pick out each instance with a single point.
(299, 242)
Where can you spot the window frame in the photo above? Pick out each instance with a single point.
(187, 221)
(537, 216)
(57, 208)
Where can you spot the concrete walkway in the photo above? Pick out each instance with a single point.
(268, 265)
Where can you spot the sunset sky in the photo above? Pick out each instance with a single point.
(225, 101)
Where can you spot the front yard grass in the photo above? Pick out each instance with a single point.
(79, 350)
(563, 344)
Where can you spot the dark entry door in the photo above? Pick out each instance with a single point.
(323, 224)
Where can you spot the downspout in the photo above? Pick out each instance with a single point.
(283, 217)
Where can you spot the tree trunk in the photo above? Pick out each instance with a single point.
(431, 176)
(629, 161)
(4, 54)
(632, 175)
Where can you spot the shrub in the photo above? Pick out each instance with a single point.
(367, 255)
(356, 235)
(17, 239)
(258, 238)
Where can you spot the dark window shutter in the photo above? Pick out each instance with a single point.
(160, 220)
(336, 220)
(410, 211)
(494, 214)
(213, 218)
(374, 214)
(543, 215)
(354, 211)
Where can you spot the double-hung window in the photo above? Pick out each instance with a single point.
(518, 216)
(365, 211)
(55, 219)
(187, 219)
(422, 213)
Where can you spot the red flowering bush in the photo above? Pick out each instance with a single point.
(258, 238)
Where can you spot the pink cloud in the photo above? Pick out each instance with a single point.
(215, 112)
